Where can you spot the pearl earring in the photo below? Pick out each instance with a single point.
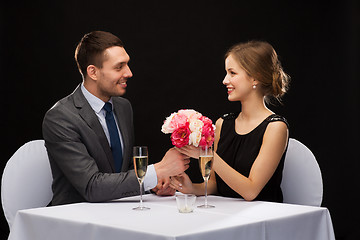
(254, 86)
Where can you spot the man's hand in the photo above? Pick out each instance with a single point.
(172, 164)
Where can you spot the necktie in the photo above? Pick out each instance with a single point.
(115, 143)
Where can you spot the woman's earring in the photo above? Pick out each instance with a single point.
(254, 86)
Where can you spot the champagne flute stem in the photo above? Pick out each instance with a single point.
(206, 181)
(141, 201)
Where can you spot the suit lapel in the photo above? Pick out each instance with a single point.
(89, 116)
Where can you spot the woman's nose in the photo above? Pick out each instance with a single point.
(226, 80)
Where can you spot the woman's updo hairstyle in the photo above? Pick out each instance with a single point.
(261, 62)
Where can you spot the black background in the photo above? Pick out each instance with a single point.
(176, 51)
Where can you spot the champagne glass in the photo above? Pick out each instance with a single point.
(140, 156)
(205, 163)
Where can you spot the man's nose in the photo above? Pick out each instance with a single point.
(128, 72)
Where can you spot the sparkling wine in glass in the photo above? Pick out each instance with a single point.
(205, 162)
(140, 156)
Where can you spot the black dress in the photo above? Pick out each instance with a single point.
(240, 152)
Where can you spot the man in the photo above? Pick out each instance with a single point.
(89, 134)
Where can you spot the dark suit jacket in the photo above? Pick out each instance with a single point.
(80, 156)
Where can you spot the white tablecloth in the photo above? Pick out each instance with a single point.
(231, 219)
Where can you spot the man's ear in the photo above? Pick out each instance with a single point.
(92, 72)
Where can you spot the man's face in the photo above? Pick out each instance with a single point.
(115, 72)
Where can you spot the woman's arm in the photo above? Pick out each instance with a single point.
(272, 148)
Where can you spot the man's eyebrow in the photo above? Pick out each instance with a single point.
(123, 62)
(120, 63)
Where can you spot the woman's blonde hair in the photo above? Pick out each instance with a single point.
(261, 62)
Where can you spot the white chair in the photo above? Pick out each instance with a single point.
(26, 181)
(302, 182)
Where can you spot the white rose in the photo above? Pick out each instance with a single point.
(195, 138)
(166, 126)
(196, 125)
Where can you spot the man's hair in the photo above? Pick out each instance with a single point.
(91, 48)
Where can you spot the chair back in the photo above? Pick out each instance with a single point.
(302, 181)
(26, 181)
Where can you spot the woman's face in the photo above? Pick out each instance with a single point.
(238, 83)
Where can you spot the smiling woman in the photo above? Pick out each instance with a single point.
(251, 146)
(259, 61)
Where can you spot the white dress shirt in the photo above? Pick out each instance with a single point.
(97, 105)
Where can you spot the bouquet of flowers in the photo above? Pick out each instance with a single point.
(189, 127)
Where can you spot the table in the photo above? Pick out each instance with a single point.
(231, 219)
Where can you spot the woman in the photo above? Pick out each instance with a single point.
(250, 146)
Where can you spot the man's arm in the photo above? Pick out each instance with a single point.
(77, 158)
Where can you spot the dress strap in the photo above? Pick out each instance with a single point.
(229, 116)
(271, 118)
(275, 118)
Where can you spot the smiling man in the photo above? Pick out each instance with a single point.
(89, 134)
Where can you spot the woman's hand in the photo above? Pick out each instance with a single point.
(182, 183)
(163, 188)
(190, 151)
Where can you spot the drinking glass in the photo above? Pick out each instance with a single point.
(205, 163)
(140, 156)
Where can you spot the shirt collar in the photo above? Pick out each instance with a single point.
(96, 103)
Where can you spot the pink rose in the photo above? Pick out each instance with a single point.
(206, 120)
(208, 133)
(190, 114)
(178, 121)
(180, 137)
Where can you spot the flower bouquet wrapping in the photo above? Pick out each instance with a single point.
(189, 127)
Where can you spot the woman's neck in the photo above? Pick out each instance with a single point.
(251, 110)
